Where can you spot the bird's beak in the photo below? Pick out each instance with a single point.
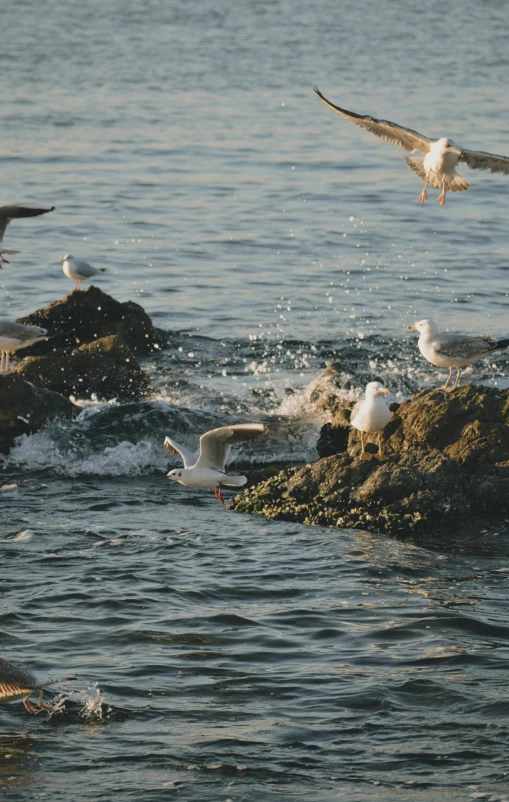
(413, 326)
(384, 390)
(452, 149)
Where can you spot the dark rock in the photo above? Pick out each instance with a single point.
(106, 368)
(449, 471)
(88, 315)
(25, 409)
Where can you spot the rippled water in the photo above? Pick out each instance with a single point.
(219, 656)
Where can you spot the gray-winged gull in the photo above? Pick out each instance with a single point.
(370, 416)
(17, 682)
(78, 270)
(206, 468)
(12, 212)
(453, 350)
(437, 166)
(14, 336)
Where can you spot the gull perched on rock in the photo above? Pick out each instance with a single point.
(437, 166)
(205, 468)
(371, 415)
(12, 212)
(453, 350)
(78, 270)
(18, 682)
(14, 336)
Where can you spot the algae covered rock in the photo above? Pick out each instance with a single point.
(449, 470)
(25, 409)
(106, 368)
(88, 315)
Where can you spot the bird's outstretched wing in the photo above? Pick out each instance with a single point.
(188, 456)
(477, 160)
(13, 211)
(215, 445)
(396, 134)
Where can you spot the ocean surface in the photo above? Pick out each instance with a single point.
(219, 656)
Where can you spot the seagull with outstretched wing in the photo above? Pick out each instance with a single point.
(206, 468)
(13, 212)
(437, 167)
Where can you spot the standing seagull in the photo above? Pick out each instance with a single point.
(13, 212)
(437, 166)
(453, 350)
(371, 415)
(206, 468)
(79, 270)
(17, 683)
(14, 336)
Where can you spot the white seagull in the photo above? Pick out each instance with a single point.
(14, 336)
(78, 270)
(12, 212)
(371, 415)
(206, 468)
(437, 166)
(18, 682)
(453, 350)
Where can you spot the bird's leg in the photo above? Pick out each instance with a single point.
(218, 494)
(448, 380)
(457, 379)
(78, 284)
(6, 361)
(44, 705)
(441, 197)
(380, 456)
(4, 260)
(28, 706)
(2, 362)
(424, 194)
(364, 454)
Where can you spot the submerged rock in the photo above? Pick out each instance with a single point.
(106, 368)
(448, 470)
(88, 315)
(25, 409)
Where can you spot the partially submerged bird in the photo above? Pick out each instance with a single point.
(453, 350)
(206, 468)
(12, 212)
(14, 336)
(78, 270)
(19, 683)
(437, 166)
(371, 416)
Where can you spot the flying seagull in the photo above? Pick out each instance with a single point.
(453, 350)
(437, 166)
(78, 270)
(13, 212)
(18, 683)
(205, 468)
(14, 336)
(371, 415)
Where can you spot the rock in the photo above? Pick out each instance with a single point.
(25, 409)
(448, 472)
(88, 315)
(106, 368)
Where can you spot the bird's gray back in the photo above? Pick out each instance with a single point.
(461, 345)
(19, 331)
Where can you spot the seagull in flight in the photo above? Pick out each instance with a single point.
(205, 468)
(437, 167)
(13, 212)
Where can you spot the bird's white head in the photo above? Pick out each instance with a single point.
(375, 389)
(175, 474)
(67, 257)
(426, 327)
(448, 146)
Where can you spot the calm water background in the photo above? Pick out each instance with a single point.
(219, 656)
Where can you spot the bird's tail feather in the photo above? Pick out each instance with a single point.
(234, 481)
(457, 183)
(499, 344)
(103, 269)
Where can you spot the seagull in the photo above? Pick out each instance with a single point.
(205, 468)
(437, 166)
(453, 350)
(12, 212)
(14, 336)
(18, 682)
(371, 415)
(79, 270)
